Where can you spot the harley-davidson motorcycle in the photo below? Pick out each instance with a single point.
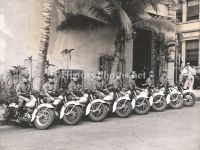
(189, 98)
(33, 112)
(87, 105)
(118, 102)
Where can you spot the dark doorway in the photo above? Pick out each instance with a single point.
(142, 54)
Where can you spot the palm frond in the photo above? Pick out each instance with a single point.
(158, 25)
(81, 22)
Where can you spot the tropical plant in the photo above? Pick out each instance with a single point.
(67, 52)
(18, 70)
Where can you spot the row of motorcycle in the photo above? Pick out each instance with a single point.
(121, 102)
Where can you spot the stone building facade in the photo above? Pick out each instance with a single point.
(188, 16)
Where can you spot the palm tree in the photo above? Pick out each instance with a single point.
(99, 14)
(18, 70)
(67, 52)
(44, 43)
(30, 60)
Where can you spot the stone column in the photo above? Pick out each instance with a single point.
(171, 64)
(199, 47)
(128, 55)
(184, 13)
(183, 51)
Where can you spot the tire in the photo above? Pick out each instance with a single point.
(161, 106)
(48, 113)
(176, 104)
(190, 99)
(74, 117)
(144, 108)
(125, 111)
(100, 114)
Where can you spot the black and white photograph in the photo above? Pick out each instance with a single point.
(100, 74)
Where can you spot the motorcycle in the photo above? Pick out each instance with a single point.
(85, 104)
(71, 112)
(173, 97)
(34, 112)
(118, 102)
(157, 99)
(189, 98)
(140, 101)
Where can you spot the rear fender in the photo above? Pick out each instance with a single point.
(49, 106)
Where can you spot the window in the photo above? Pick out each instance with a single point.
(179, 15)
(192, 52)
(193, 10)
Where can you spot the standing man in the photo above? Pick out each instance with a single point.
(189, 82)
(23, 90)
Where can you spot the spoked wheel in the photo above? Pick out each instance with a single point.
(159, 103)
(98, 112)
(142, 106)
(176, 101)
(73, 115)
(189, 99)
(124, 109)
(44, 118)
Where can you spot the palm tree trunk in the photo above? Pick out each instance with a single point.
(44, 44)
(119, 47)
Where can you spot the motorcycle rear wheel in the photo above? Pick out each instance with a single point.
(100, 114)
(74, 117)
(125, 111)
(176, 104)
(161, 106)
(144, 108)
(190, 99)
(45, 121)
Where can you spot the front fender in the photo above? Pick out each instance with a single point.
(62, 112)
(133, 103)
(175, 91)
(168, 99)
(90, 104)
(118, 100)
(151, 100)
(38, 107)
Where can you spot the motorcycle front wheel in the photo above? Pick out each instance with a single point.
(73, 115)
(142, 106)
(189, 99)
(176, 101)
(159, 103)
(124, 109)
(98, 112)
(44, 118)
